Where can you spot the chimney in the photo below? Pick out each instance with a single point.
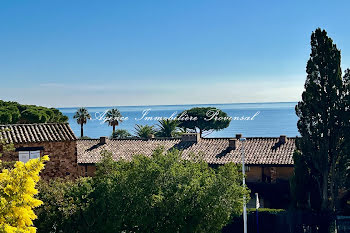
(283, 139)
(232, 143)
(238, 136)
(103, 140)
(190, 137)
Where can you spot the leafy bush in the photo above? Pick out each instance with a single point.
(266, 210)
(162, 193)
(17, 201)
(65, 205)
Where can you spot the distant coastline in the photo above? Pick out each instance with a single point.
(172, 105)
(274, 119)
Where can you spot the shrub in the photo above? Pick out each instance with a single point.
(164, 193)
(17, 201)
(65, 204)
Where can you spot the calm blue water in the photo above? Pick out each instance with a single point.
(274, 119)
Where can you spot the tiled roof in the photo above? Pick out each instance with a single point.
(45, 132)
(212, 150)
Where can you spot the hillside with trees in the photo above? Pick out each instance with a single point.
(15, 113)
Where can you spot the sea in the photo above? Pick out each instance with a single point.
(249, 119)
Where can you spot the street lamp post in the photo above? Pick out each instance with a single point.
(244, 204)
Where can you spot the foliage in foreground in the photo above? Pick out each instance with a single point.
(161, 193)
(17, 190)
(65, 203)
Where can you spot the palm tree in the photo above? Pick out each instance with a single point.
(113, 117)
(82, 115)
(167, 128)
(144, 131)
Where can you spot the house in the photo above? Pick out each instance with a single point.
(269, 160)
(33, 140)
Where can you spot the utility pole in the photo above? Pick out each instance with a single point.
(244, 204)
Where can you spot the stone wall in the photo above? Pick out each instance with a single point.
(63, 158)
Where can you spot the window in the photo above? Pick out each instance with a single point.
(34, 154)
(24, 156)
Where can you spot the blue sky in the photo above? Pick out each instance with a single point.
(102, 53)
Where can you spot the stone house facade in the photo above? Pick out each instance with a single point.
(33, 140)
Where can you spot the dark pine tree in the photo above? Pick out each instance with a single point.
(320, 123)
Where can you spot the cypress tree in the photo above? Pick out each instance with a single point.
(321, 122)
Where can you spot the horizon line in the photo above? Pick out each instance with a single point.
(154, 105)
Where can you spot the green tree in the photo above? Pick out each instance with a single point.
(167, 128)
(321, 121)
(204, 119)
(32, 115)
(82, 115)
(301, 183)
(121, 134)
(15, 113)
(144, 131)
(5, 116)
(164, 193)
(113, 117)
(64, 205)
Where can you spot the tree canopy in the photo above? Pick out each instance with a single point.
(121, 134)
(161, 193)
(15, 113)
(113, 118)
(204, 119)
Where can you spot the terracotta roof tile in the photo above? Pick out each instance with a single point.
(212, 150)
(45, 132)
